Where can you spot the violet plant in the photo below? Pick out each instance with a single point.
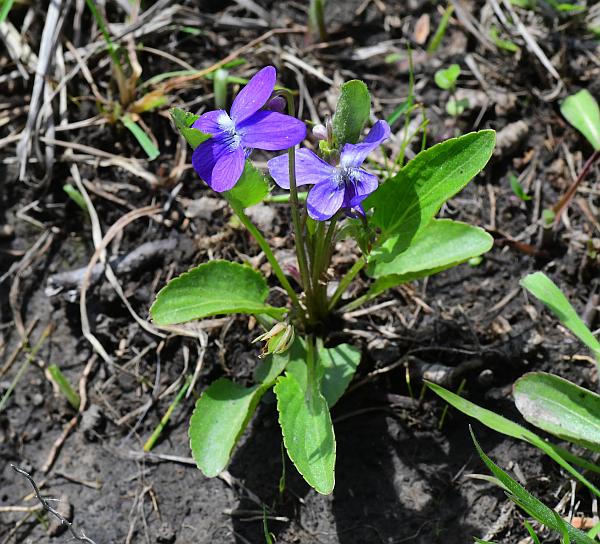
(391, 215)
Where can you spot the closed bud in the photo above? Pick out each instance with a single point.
(277, 104)
(278, 339)
(320, 132)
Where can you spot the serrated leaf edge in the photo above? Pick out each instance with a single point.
(210, 263)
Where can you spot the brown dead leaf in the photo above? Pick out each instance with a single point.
(422, 28)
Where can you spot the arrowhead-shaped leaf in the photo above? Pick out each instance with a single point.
(560, 408)
(408, 202)
(213, 288)
(442, 243)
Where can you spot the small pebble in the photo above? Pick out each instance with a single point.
(166, 534)
(91, 422)
(6, 231)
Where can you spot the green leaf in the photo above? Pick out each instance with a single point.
(65, 387)
(337, 367)
(183, 121)
(525, 4)
(510, 428)
(251, 188)
(223, 412)
(5, 9)
(403, 108)
(456, 107)
(582, 111)
(534, 507)
(531, 532)
(446, 78)
(560, 408)
(435, 42)
(273, 365)
(518, 188)
(220, 416)
(441, 244)
(74, 194)
(408, 202)
(307, 432)
(140, 135)
(351, 113)
(543, 288)
(213, 288)
(507, 45)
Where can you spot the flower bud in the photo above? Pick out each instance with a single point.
(320, 132)
(277, 103)
(278, 339)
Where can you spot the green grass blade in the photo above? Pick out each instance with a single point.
(5, 9)
(543, 288)
(65, 387)
(510, 428)
(140, 135)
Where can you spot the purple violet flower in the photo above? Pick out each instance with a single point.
(220, 160)
(335, 187)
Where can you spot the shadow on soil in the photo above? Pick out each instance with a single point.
(392, 485)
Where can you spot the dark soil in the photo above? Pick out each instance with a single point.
(400, 477)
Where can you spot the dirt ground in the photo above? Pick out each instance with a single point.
(403, 469)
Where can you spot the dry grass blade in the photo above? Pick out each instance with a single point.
(54, 19)
(532, 45)
(131, 165)
(182, 81)
(117, 227)
(97, 237)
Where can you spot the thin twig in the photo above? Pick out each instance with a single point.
(46, 506)
(566, 198)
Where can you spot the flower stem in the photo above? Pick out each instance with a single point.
(321, 259)
(262, 243)
(298, 231)
(346, 280)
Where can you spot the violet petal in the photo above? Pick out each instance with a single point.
(325, 199)
(217, 166)
(254, 95)
(310, 169)
(208, 122)
(271, 131)
(355, 154)
(227, 170)
(363, 185)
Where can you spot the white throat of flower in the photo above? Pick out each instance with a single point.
(231, 138)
